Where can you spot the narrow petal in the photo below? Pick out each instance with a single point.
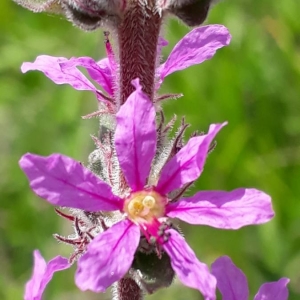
(231, 281)
(108, 258)
(51, 67)
(187, 165)
(100, 72)
(42, 274)
(189, 270)
(273, 290)
(197, 46)
(63, 181)
(135, 137)
(226, 210)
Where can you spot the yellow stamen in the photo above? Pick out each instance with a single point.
(135, 207)
(143, 206)
(149, 201)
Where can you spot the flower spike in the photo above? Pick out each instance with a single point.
(144, 202)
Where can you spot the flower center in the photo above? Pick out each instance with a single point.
(144, 206)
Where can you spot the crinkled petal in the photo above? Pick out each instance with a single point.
(135, 137)
(42, 274)
(197, 46)
(227, 210)
(100, 72)
(273, 290)
(51, 67)
(63, 181)
(231, 281)
(187, 165)
(108, 258)
(189, 270)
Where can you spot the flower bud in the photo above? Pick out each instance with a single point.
(153, 272)
(86, 14)
(91, 14)
(191, 12)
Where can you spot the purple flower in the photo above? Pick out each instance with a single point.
(232, 283)
(197, 46)
(144, 198)
(42, 274)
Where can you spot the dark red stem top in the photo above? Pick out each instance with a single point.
(138, 37)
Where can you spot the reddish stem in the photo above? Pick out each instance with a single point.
(127, 289)
(138, 37)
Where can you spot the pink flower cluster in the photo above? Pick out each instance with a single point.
(148, 195)
(145, 207)
(197, 46)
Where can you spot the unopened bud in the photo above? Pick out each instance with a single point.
(91, 14)
(152, 272)
(191, 12)
(86, 14)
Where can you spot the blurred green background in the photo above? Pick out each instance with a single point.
(254, 84)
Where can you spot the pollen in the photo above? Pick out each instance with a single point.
(144, 206)
(135, 207)
(149, 201)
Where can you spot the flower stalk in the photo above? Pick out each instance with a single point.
(123, 204)
(137, 39)
(127, 289)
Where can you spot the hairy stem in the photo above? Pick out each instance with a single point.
(127, 289)
(138, 37)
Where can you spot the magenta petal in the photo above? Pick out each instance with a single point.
(63, 181)
(273, 290)
(189, 270)
(187, 165)
(42, 274)
(51, 67)
(231, 281)
(227, 210)
(108, 258)
(197, 46)
(100, 72)
(135, 137)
